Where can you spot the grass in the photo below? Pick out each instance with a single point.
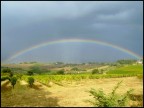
(110, 100)
(26, 96)
(126, 71)
(45, 79)
(23, 95)
(72, 94)
(131, 69)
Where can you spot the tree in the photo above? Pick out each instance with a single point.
(30, 81)
(3, 78)
(75, 69)
(30, 72)
(128, 61)
(19, 76)
(6, 70)
(95, 71)
(11, 74)
(36, 69)
(60, 72)
(13, 81)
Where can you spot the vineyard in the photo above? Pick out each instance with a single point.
(128, 71)
(64, 87)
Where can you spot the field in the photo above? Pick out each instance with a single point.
(127, 70)
(72, 89)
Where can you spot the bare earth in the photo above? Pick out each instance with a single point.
(74, 94)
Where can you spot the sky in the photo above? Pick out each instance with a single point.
(29, 23)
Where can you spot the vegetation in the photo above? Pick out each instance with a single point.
(19, 75)
(30, 72)
(75, 69)
(130, 61)
(6, 70)
(95, 71)
(3, 78)
(61, 72)
(35, 69)
(30, 81)
(49, 74)
(110, 100)
(13, 81)
(131, 69)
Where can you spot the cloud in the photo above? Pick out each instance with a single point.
(27, 23)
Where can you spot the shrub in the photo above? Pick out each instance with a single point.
(36, 69)
(75, 69)
(30, 72)
(6, 70)
(110, 100)
(19, 76)
(30, 81)
(13, 81)
(11, 74)
(3, 78)
(95, 71)
(60, 72)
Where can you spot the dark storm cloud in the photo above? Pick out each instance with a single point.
(29, 23)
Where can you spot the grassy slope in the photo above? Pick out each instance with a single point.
(132, 69)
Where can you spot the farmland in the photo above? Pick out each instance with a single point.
(71, 89)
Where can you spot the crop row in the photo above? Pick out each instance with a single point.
(45, 79)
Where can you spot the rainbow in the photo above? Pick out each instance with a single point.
(73, 40)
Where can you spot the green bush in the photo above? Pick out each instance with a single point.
(19, 76)
(30, 72)
(95, 71)
(60, 72)
(75, 69)
(11, 74)
(30, 81)
(6, 70)
(13, 81)
(3, 78)
(110, 100)
(36, 69)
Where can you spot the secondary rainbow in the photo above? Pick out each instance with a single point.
(74, 40)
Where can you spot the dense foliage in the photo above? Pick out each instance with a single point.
(3, 78)
(13, 81)
(6, 70)
(60, 72)
(30, 72)
(95, 71)
(111, 100)
(30, 81)
(126, 61)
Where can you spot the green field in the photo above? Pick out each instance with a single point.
(126, 71)
(131, 69)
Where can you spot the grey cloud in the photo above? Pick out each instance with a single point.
(29, 23)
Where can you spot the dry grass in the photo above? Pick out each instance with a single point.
(71, 94)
